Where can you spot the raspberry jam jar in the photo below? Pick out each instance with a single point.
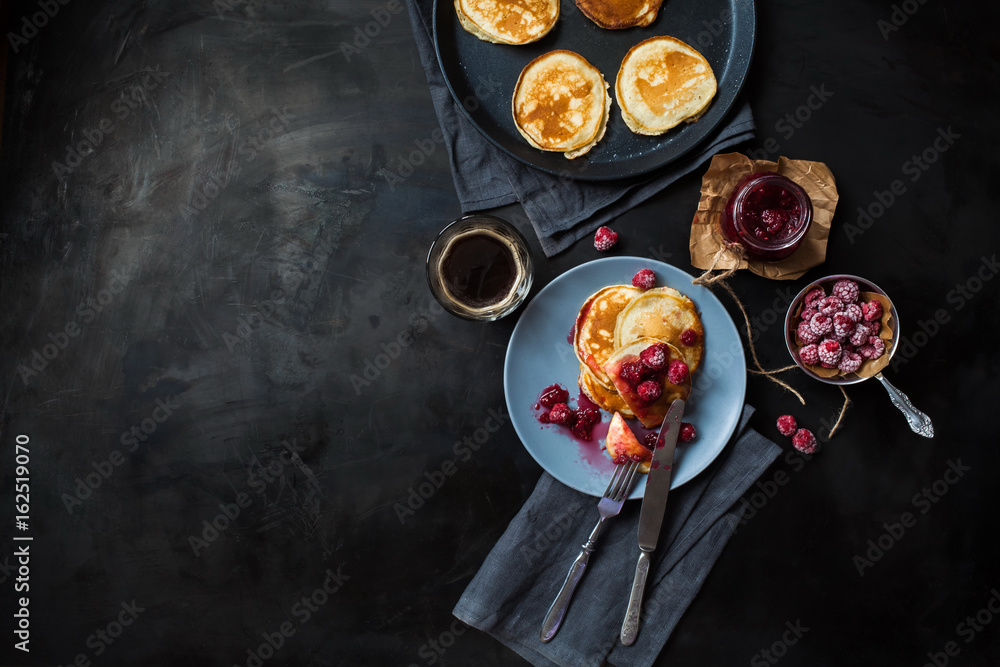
(768, 214)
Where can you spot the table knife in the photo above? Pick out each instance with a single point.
(654, 503)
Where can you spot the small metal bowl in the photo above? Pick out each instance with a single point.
(919, 422)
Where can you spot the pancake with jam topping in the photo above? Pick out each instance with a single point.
(508, 21)
(561, 103)
(617, 14)
(594, 333)
(662, 83)
(662, 314)
(604, 398)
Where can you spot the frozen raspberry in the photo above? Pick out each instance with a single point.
(860, 334)
(829, 352)
(833, 336)
(687, 433)
(561, 414)
(605, 238)
(804, 441)
(821, 324)
(689, 337)
(644, 280)
(872, 310)
(650, 440)
(632, 372)
(552, 395)
(854, 312)
(850, 362)
(586, 419)
(807, 314)
(677, 372)
(649, 391)
(877, 346)
(787, 425)
(809, 354)
(874, 327)
(845, 290)
(806, 334)
(843, 325)
(831, 305)
(654, 357)
(813, 297)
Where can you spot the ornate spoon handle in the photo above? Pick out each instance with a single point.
(919, 422)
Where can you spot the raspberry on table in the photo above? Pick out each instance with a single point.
(787, 425)
(561, 414)
(829, 352)
(831, 305)
(814, 296)
(849, 362)
(821, 324)
(872, 310)
(846, 290)
(854, 312)
(804, 441)
(649, 391)
(687, 433)
(677, 372)
(645, 279)
(654, 356)
(605, 238)
(632, 372)
(806, 334)
(689, 337)
(809, 354)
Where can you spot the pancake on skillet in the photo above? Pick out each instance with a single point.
(616, 14)
(662, 83)
(561, 103)
(508, 21)
(662, 313)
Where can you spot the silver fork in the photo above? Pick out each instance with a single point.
(610, 505)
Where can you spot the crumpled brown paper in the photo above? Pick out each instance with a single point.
(723, 174)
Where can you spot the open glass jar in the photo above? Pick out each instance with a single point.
(768, 214)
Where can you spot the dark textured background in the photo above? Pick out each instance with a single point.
(312, 224)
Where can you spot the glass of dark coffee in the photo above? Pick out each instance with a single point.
(479, 268)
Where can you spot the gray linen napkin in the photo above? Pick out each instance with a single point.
(486, 177)
(512, 591)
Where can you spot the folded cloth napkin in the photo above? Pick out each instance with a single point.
(486, 177)
(514, 588)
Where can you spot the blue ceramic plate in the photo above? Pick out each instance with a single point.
(540, 354)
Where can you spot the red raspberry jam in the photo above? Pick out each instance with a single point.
(768, 215)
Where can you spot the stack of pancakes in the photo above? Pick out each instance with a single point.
(616, 323)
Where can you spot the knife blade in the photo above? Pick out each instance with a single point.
(654, 505)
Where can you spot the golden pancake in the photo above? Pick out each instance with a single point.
(650, 415)
(594, 334)
(616, 14)
(606, 399)
(561, 103)
(663, 314)
(508, 21)
(663, 82)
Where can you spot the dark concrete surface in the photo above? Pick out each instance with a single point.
(235, 227)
